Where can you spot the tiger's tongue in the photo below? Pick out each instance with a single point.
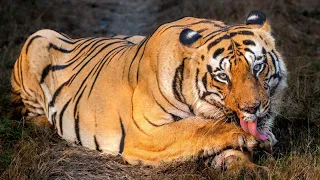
(251, 127)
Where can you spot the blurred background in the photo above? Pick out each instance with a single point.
(26, 153)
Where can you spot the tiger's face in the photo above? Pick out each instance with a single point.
(239, 70)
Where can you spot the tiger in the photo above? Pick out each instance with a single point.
(193, 88)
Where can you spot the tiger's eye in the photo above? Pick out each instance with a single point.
(223, 76)
(257, 67)
(259, 58)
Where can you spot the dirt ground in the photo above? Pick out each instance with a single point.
(31, 153)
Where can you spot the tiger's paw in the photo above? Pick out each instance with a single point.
(269, 143)
(233, 160)
(230, 159)
(247, 141)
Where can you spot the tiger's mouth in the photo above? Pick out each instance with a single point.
(259, 127)
(253, 128)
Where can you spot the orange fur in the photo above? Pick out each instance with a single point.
(141, 98)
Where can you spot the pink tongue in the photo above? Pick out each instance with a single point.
(251, 127)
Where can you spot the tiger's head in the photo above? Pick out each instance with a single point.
(235, 69)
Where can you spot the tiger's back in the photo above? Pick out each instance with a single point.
(56, 76)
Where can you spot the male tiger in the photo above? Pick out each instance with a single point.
(166, 97)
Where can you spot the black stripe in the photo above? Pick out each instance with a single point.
(219, 32)
(96, 143)
(90, 50)
(84, 65)
(77, 119)
(68, 41)
(207, 93)
(59, 48)
(102, 63)
(62, 34)
(209, 68)
(165, 96)
(218, 40)
(196, 81)
(137, 76)
(248, 43)
(177, 83)
(92, 70)
(237, 44)
(226, 36)
(273, 62)
(56, 93)
(45, 72)
(81, 50)
(275, 55)
(249, 50)
(156, 125)
(220, 63)
(240, 27)
(87, 55)
(218, 52)
(123, 136)
(264, 52)
(77, 129)
(188, 25)
(135, 123)
(202, 30)
(174, 117)
(216, 86)
(75, 48)
(128, 37)
(72, 60)
(204, 81)
(245, 33)
(29, 43)
(61, 116)
(135, 55)
(53, 118)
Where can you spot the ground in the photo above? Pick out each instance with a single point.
(27, 152)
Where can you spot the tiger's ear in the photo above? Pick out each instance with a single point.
(258, 19)
(190, 38)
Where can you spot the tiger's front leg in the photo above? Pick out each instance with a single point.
(192, 137)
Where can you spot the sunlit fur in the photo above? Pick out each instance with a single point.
(151, 99)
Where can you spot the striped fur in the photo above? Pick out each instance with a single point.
(151, 99)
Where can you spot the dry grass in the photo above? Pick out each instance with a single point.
(29, 153)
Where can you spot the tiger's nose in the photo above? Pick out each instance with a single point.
(250, 108)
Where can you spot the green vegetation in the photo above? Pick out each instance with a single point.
(36, 153)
